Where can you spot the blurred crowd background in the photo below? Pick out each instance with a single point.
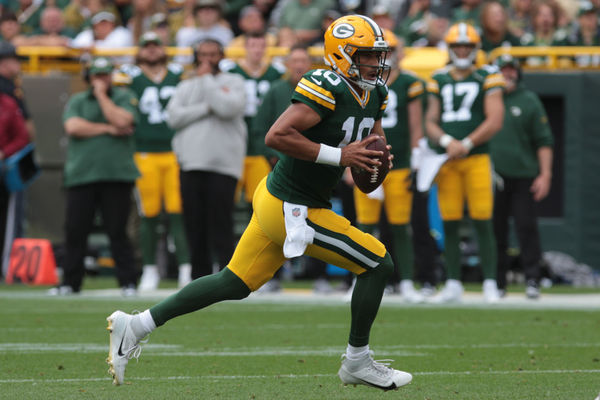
(120, 23)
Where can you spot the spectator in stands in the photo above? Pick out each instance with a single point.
(414, 26)
(10, 29)
(208, 25)
(522, 157)
(328, 18)
(141, 18)
(78, 12)
(381, 16)
(52, 30)
(494, 27)
(304, 17)
(286, 37)
(104, 33)
(519, 17)
(469, 11)
(206, 112)
(545, 14)
(99, 174)
(586, 34)
(159, 24)
(437, 26)
(13, 137)
(28, 13)
(250, 21)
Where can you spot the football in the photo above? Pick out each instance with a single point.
(366, 181)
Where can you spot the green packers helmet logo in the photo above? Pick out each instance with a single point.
(343, 31)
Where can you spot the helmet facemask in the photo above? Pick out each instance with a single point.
(381, 71)
(462, 62)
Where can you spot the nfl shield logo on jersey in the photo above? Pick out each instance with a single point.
(296, 212)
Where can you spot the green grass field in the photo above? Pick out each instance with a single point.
(265, 348)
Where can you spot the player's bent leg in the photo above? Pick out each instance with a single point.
(200, 293)
(358, 365)
(127, 331)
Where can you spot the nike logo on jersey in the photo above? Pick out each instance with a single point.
(316, 81)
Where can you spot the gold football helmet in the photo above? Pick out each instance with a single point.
(349, 36)
(462, 34)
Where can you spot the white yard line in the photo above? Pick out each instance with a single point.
(304, 376)
(305, 296)
(175, 350)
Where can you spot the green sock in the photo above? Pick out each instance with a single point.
(487, 247)
(148, 239)
(366, 299)
(403, 251)
(177, 232)
(452, 249)
(202, 292)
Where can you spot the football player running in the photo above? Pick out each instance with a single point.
(154, 81)
(465, 110)
(319, 135)
(403, 123)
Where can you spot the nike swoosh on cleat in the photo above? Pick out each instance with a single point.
(391, 387)
(120, 352)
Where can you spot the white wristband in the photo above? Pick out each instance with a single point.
(445, 140)
(467, 143)
(329, 155)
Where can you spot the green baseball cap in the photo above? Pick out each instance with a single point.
(507, 59)
(101, 65)
(149, 37)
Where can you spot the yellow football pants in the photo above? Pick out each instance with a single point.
(259, 253)
(255, 169)
(397, 200)
(469, 178)
(158, 183)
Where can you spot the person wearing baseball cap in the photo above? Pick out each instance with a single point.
(99, 174)
(104, 33)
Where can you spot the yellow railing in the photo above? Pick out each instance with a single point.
(423, 61)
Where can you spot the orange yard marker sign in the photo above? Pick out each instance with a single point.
(32, 262)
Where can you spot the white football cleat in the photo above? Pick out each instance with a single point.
(409, 293)
(150, 278)
(366, 371)
(490, 291)
(124, 345)
(451, 293)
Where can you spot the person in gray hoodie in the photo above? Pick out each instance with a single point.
(207, 114)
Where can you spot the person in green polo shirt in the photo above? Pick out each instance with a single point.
(99, 174)
(522, 157)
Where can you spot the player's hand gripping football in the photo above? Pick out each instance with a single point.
(357, 155)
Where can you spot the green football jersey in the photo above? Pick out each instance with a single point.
(405, 88)
(345, 117)
(256, 88)
(462, 101)
(152, 134)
